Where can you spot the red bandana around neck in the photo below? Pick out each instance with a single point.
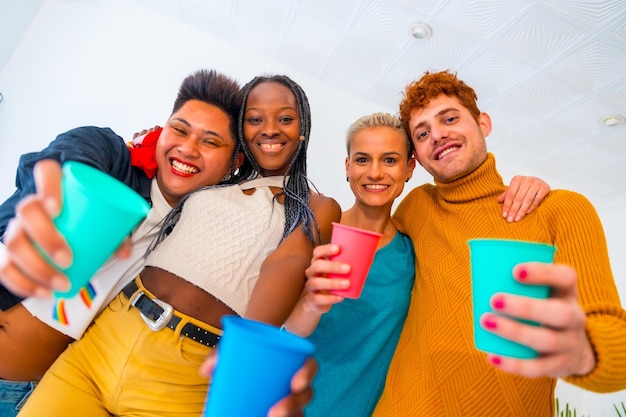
(143, 152)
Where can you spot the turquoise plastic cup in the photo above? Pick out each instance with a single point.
(492, 263)
(256, 362)
(98, 213)
(358, 248)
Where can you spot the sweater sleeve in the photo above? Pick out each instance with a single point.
(581, 243)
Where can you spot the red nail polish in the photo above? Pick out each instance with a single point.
(490, 323)
(498, 303)
(522, 274)
(496, 360)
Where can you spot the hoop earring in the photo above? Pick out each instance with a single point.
(347, 179)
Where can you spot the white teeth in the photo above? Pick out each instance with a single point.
(447, 151)
(376, 186)
(179, 166)
(271, 146)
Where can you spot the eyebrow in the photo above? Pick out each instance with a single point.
(360, 153)
(288, 107)
(206, 132)
(439, 113)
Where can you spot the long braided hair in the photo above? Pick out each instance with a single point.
(296, 184)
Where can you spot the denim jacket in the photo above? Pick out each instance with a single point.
(95, 146)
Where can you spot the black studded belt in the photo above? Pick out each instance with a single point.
(158, 315)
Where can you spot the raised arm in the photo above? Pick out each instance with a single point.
(316, 300)
(583, 337)
(282, 274)
(22, 269)
(98, 147)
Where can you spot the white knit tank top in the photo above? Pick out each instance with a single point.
(222, 238)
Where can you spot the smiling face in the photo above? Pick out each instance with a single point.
(271, 127)
(194, 150)
(378, 165)
(449, 142)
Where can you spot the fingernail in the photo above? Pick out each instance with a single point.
(522, 274)
(51, 206)
(498, 303)
(489, 323)
(62, 258)
(60, 283)
(496, 360)
(510, 219)
(344, 268)
(505, 213)
(42, 292)
(345, 283)
(518, 218)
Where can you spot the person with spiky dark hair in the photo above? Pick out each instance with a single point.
(195, 148)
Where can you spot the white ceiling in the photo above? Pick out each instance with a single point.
(546, 71)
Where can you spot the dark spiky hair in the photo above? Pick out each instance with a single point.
(221, 91)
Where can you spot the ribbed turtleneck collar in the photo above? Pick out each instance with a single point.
(483, 182)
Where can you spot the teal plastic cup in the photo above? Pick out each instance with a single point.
(255, 364)
(358, 248)
(492, 263)
(98, 213)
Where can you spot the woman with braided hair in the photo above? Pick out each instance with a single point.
(231, 249)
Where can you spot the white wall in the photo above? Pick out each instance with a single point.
(15, 17)
(114, 63)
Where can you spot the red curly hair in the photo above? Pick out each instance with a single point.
(432, 84)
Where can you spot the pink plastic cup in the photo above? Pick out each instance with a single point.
(358, 247)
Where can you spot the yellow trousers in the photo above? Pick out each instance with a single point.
(121, 367)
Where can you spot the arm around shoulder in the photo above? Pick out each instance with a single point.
(282, 275)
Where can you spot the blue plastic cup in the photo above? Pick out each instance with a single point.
(256, 362)
(492, 263)
(98, 213)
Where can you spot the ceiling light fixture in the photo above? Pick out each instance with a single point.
(421, 30)
(611, 120)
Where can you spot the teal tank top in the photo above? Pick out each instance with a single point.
(356, 339)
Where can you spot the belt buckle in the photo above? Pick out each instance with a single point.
(162, 320)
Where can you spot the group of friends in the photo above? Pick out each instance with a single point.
(236, 227)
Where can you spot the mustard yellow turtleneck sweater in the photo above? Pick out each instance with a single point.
(436, 371)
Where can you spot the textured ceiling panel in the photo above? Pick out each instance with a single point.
(595, 13)
(592, 65)
(494, 74)
(480, 19)
(540, 36)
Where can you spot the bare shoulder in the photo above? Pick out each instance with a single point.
(326, 211)
(320, 202)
